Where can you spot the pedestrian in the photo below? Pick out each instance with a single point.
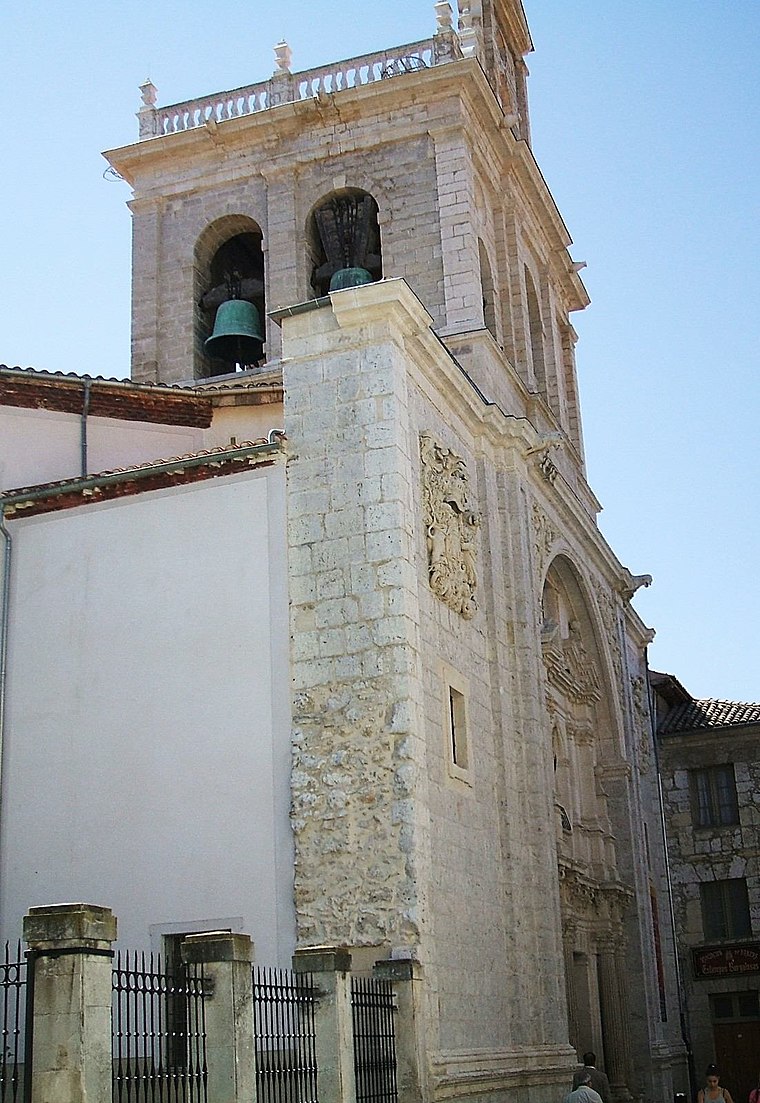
(754, 1095)
(712, 1092)
(583, 1093)
(598, 1080)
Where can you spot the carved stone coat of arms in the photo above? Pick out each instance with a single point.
(451, 527)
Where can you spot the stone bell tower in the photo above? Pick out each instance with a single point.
(419, 155)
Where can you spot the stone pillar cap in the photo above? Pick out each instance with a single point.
(62, 924)
(217, 946)
(322, 959)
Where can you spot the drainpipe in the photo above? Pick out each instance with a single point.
(4, 622)
(682, 1010)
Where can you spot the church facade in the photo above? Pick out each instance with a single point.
(403, 691)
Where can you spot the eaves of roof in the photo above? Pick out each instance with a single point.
(120, 399)
(155, 475)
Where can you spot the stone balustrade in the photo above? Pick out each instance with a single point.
(284, 87)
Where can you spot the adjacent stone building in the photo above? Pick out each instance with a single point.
(710, 765)
(426, 732)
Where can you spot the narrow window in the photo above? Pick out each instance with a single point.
(455, 725)
(457, 729)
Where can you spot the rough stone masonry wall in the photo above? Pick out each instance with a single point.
(357, 750)
(698, 855)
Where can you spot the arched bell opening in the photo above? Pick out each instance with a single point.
(230, 297)
(343, 241)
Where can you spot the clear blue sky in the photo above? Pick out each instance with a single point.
(646, 121)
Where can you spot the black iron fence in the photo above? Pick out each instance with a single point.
(374, 1008)
(158, 1032)
(14, 994)
(284, 1036)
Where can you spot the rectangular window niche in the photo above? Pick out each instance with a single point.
(455, 725)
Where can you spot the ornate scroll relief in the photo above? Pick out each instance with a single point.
(451, 527)
(568, 665)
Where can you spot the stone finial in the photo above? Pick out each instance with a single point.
(283, 56)
(465, 16)
(148, 92)
(468, 39)
(444, 16)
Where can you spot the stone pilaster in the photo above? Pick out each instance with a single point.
(573, 1024)
(615, 1026)
(358, 743)
(462, 287)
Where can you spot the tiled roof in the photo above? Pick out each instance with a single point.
(119, 399)
(708, 713)
(77, 377)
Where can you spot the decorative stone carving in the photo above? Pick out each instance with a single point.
(283, 56)
(568, 665)
(451, 527)
(548, 468)
(641, 714)
(544, 535)
(608, 607)
(630, 583)
(443, 15)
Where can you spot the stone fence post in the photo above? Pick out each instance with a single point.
(71, 965)
(331, 970)
(405, 977)
(226, 959)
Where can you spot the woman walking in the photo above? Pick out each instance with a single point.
(713, 1092)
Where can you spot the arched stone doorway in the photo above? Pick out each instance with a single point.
(593, 898)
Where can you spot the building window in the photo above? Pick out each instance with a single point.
(713, 792)
(455, 724)
(725, 909)
(457, 728)
(735, 1006)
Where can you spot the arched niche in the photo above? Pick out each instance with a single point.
(584, 729)
(229, 263)
(581, 711)
(343, 231)
(536, 334)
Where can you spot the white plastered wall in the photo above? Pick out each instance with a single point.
(147, 748)
(41, 446)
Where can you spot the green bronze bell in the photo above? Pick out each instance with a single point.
(237, 336)
(349, 277)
